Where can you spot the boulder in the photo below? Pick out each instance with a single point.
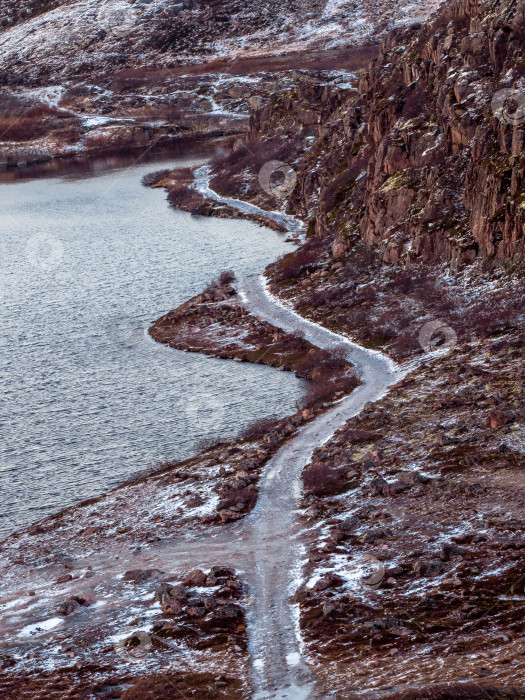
(450, 551)
(328, 581)
(475, 489)
(196, 611)
(211, 603)
(170, 606)
(396, 488)
(195, 578)
(498, 418)
(222, 572)
(141, 575)
(378, 486)
(228, 612)
(429, 568)
(171, 598)
(69, 607)
(72, 605)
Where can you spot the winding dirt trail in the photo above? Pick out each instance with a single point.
(279, 669)
(275, 647)
(202, 185)
(267, 545)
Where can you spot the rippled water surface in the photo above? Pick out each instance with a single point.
(87, 399)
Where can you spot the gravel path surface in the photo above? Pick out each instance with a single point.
(275, 645)
(279, 669)
(202, 185)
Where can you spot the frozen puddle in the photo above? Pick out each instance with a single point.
(41, 627)
(293, 659)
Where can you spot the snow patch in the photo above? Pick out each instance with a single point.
(41, 627)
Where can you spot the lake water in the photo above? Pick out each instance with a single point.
(87, 399)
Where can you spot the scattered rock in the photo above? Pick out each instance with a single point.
(195, 578)
(378, 486)
(69, 607)
(499, 417)
(72, 605)
(475, 490)
(141, 575)
(222, 572)
(429, 568)
(375, 579)
(396, 488)
(450, 551)
(328, 581)
(171, 598)
(196, 611)
(228, 612)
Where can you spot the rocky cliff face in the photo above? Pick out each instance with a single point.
(425, 160)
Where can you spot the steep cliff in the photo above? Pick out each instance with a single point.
(424, 161)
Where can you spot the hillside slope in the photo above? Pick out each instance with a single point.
(48, 40)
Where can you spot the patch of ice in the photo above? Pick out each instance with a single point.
(293, 659)
(41, 627)
(11, 604)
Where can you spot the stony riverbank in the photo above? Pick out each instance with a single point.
(183, 195)
(217, 323)
(76, 583)
(104, 566)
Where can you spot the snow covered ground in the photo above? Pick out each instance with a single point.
(82, 36)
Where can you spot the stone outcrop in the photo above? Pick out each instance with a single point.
(425, 160)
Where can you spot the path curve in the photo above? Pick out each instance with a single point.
(279, 669)
(266, 546)
(202, 185)
(274, 637)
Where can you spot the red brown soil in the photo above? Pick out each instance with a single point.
(429, 534)
(216, 323)
(352, 58)
(184, 197)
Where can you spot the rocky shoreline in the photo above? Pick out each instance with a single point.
(361, 505)
(411, 517)
(119, 545)
(183, 195)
